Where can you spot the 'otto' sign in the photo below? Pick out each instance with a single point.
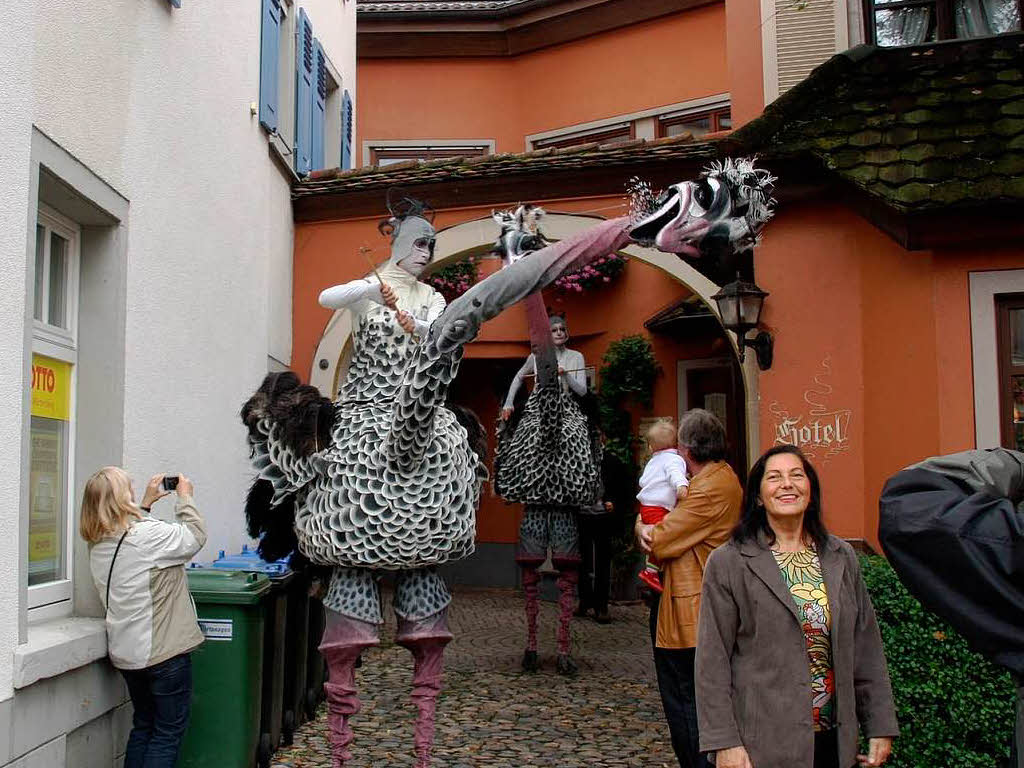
(51, 388)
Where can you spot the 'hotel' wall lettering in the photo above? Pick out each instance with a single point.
(820, 433)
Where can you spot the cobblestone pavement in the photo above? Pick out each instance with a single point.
(492, 714)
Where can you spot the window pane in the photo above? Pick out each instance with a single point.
(725, 121)
(698, 126)
(977, 18)
(47, 501)
(37, 309)
(58, 281)
(1017, 384)
(1016, 336)
(904, 26)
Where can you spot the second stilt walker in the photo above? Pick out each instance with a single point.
(550, 458)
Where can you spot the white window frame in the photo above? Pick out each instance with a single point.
(984, 287)
(644, 122)
(369, 145)
(54, 599)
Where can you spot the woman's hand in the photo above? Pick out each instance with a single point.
(643, 535)
(185, 487)
(733, 757)
(388, 296)
(506, 414)
(406, 321)
(879, 750)
(154, 491)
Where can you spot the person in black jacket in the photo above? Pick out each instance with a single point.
(953, 529)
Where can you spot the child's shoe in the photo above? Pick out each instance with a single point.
(652, 579)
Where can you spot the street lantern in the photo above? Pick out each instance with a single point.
(739, 306)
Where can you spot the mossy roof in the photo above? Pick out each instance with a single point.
(921, 127)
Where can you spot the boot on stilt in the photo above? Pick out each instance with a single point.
(343, 641)
(425, 639)
(567, 580)
(531, 589)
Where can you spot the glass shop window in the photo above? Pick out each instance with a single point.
(51, 427)
(1010, 330)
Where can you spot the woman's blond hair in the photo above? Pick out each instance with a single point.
(107, 506)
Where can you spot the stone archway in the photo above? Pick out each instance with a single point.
(473, 238)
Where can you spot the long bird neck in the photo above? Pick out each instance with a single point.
(541, 344)
(437, 358)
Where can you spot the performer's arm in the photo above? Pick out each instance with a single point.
(576, 377)
(517, 381)
(347, 294)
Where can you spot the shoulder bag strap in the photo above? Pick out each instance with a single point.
(110, 573)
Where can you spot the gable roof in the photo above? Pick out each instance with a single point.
(921, 127)
(364, 7)
(585, 169)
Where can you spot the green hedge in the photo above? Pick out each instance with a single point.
(956, 709)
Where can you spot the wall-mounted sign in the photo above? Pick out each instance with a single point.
(51, 388)
(820, 430)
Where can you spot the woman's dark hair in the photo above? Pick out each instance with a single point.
(703, 435)
(754, 517)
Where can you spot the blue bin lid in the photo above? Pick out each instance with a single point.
(249, 560)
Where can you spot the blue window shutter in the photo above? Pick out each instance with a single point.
(270, 37)
(303, 95)
(319, 99)
(346, 131)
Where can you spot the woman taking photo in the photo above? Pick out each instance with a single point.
(137, 564)
(789, 656)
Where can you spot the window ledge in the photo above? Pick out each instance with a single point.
(282, 154)
(58, 646)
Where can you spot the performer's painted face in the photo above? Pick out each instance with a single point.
(559, 333)
(413, 246)
(721, 213)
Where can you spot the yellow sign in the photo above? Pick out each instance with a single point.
(51, 388)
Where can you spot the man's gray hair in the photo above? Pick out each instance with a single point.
(703, 435)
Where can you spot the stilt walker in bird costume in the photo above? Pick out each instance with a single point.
(386, 479)
(549, 459)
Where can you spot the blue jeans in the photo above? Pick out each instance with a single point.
(162, 697)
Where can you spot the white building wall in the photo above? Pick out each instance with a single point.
(15, 135)
(156, 101)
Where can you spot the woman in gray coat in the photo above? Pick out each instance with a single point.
(789, 656)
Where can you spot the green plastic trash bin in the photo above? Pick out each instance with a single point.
(276, 662)
(227, 672)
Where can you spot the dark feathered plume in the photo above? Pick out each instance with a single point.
(304, 416)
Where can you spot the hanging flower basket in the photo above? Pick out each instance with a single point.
(455, 279)
(597, 274)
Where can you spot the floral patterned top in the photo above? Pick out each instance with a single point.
(801, 571)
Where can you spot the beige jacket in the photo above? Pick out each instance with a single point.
(151, 616)
(682, 542)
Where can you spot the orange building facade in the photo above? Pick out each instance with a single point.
(893, 305)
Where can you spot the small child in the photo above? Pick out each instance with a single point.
(662, 484)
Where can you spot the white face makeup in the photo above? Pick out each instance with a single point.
(418, 258)
(413, 245)
(559, 334)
